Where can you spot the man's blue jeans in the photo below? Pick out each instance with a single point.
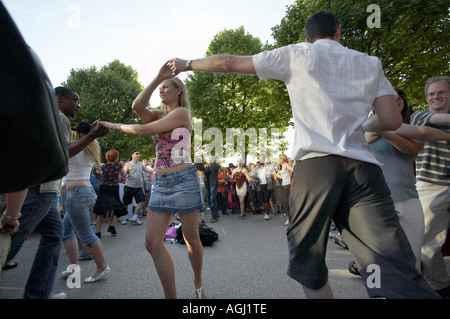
(213, 202)
(39, 213)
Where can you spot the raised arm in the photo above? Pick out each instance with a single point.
(141, 101)
(221, 63)
(175, 119)
(79, 145)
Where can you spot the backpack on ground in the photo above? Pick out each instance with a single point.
(207, 235)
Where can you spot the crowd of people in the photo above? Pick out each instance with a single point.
(240, 189)
(366, 188)
(259, 188)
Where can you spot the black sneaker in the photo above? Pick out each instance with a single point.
(10, 265)
(112, 230)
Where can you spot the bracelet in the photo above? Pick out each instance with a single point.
(117, 128)
(12, 217)
(188, 65)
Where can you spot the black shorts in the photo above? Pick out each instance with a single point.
(130, 192)
(266, 193)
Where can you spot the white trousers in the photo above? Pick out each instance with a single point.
(411, 219)
(435, 201)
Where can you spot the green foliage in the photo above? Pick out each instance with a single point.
(237, 101)
(412, 43)
(107, 94)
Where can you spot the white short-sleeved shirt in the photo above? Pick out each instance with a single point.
(332, 90)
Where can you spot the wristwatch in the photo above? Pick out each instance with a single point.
(188, 65)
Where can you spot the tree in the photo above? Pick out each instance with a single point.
(108, 94)
(236, 101)
(412, 41)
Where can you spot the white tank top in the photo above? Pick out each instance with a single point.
(80, 167)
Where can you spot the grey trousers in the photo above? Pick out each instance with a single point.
(355, 196)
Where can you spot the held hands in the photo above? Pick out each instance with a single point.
(171, 69)
(99, 130)
(176, 66)
(166, 72)
(107, 125)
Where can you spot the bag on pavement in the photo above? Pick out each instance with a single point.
(207, 235)
(171, 233)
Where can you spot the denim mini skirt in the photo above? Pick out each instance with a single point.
(177, 192)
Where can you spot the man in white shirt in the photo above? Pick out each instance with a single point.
(332, 90)
(264, 173)
(134, 186)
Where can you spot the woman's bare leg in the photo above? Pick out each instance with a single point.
(194, 246)
(157, 224)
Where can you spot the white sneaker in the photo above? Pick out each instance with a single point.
(66, 274)
(266, 216)
(136, 222)
(123, 221)
(99, 276)
(61, 295)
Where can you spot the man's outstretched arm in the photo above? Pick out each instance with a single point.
(221, 63)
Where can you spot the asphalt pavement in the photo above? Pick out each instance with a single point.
(249, 261)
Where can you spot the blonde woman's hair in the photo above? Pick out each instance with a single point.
(182, 98)
(92, 150)
(283, 157)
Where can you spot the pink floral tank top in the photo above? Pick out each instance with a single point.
(173, 148)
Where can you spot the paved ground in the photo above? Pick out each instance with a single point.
(249, 261)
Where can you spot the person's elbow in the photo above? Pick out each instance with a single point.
(238, 64)
(135, 106)
(388, 113)
(393, 123)
(228, 64)
(394, 119)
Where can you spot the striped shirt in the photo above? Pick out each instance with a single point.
(433, 161)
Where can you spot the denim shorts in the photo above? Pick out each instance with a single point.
(78, 219)
(177, 192)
